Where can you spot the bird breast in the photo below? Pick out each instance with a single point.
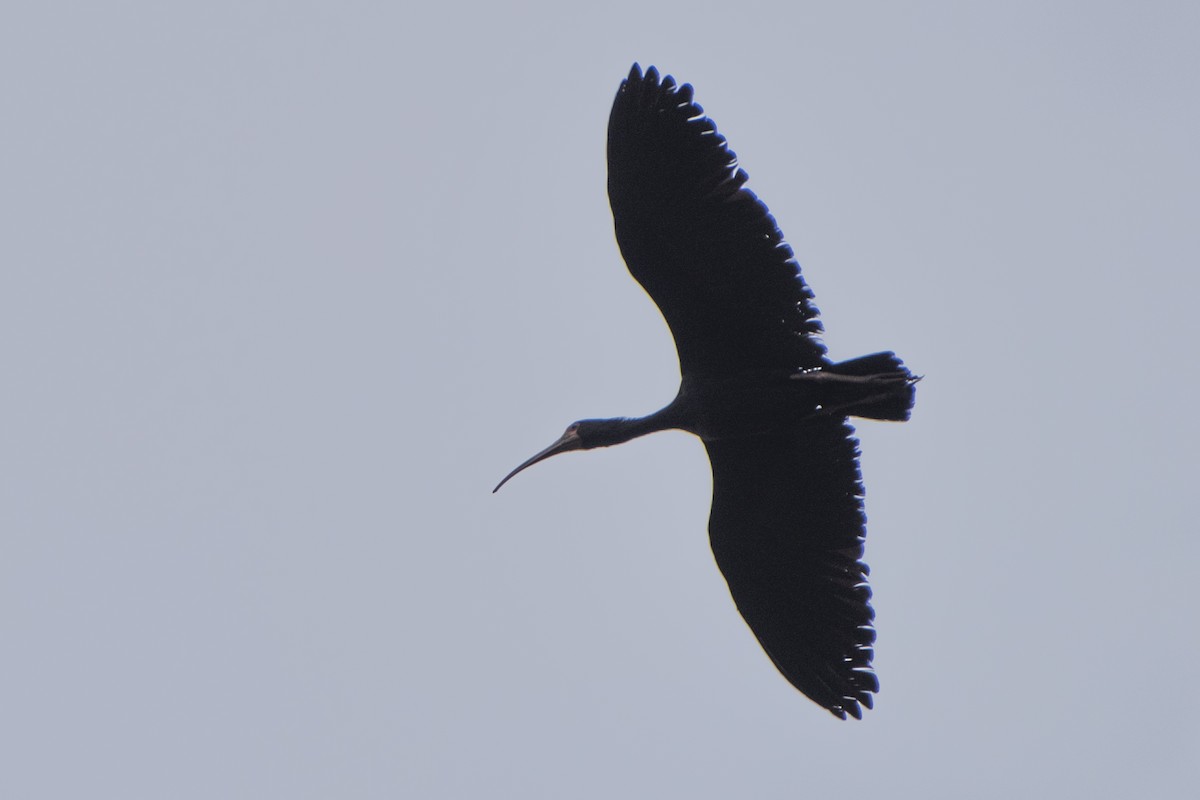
(745, 405)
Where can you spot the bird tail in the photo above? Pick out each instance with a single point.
(877, 386)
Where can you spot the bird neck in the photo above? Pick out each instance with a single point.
(660, 420)
(621, 429)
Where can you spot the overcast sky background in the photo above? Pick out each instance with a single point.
(285, 288)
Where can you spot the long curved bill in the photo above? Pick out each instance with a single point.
(568, 441)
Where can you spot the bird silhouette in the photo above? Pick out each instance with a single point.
(787, 525)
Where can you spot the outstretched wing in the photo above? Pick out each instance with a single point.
(787, 529)
(701, 244)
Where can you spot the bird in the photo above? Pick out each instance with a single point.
(787, 525)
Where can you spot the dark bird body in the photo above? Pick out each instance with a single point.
(787, 525)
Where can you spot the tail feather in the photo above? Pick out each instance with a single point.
(877, 386)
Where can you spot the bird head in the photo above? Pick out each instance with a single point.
(582, 435)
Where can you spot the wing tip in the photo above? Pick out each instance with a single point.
(862, 697)
(652, 78)
(648, 76)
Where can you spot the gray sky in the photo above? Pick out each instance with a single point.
(285, 288)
